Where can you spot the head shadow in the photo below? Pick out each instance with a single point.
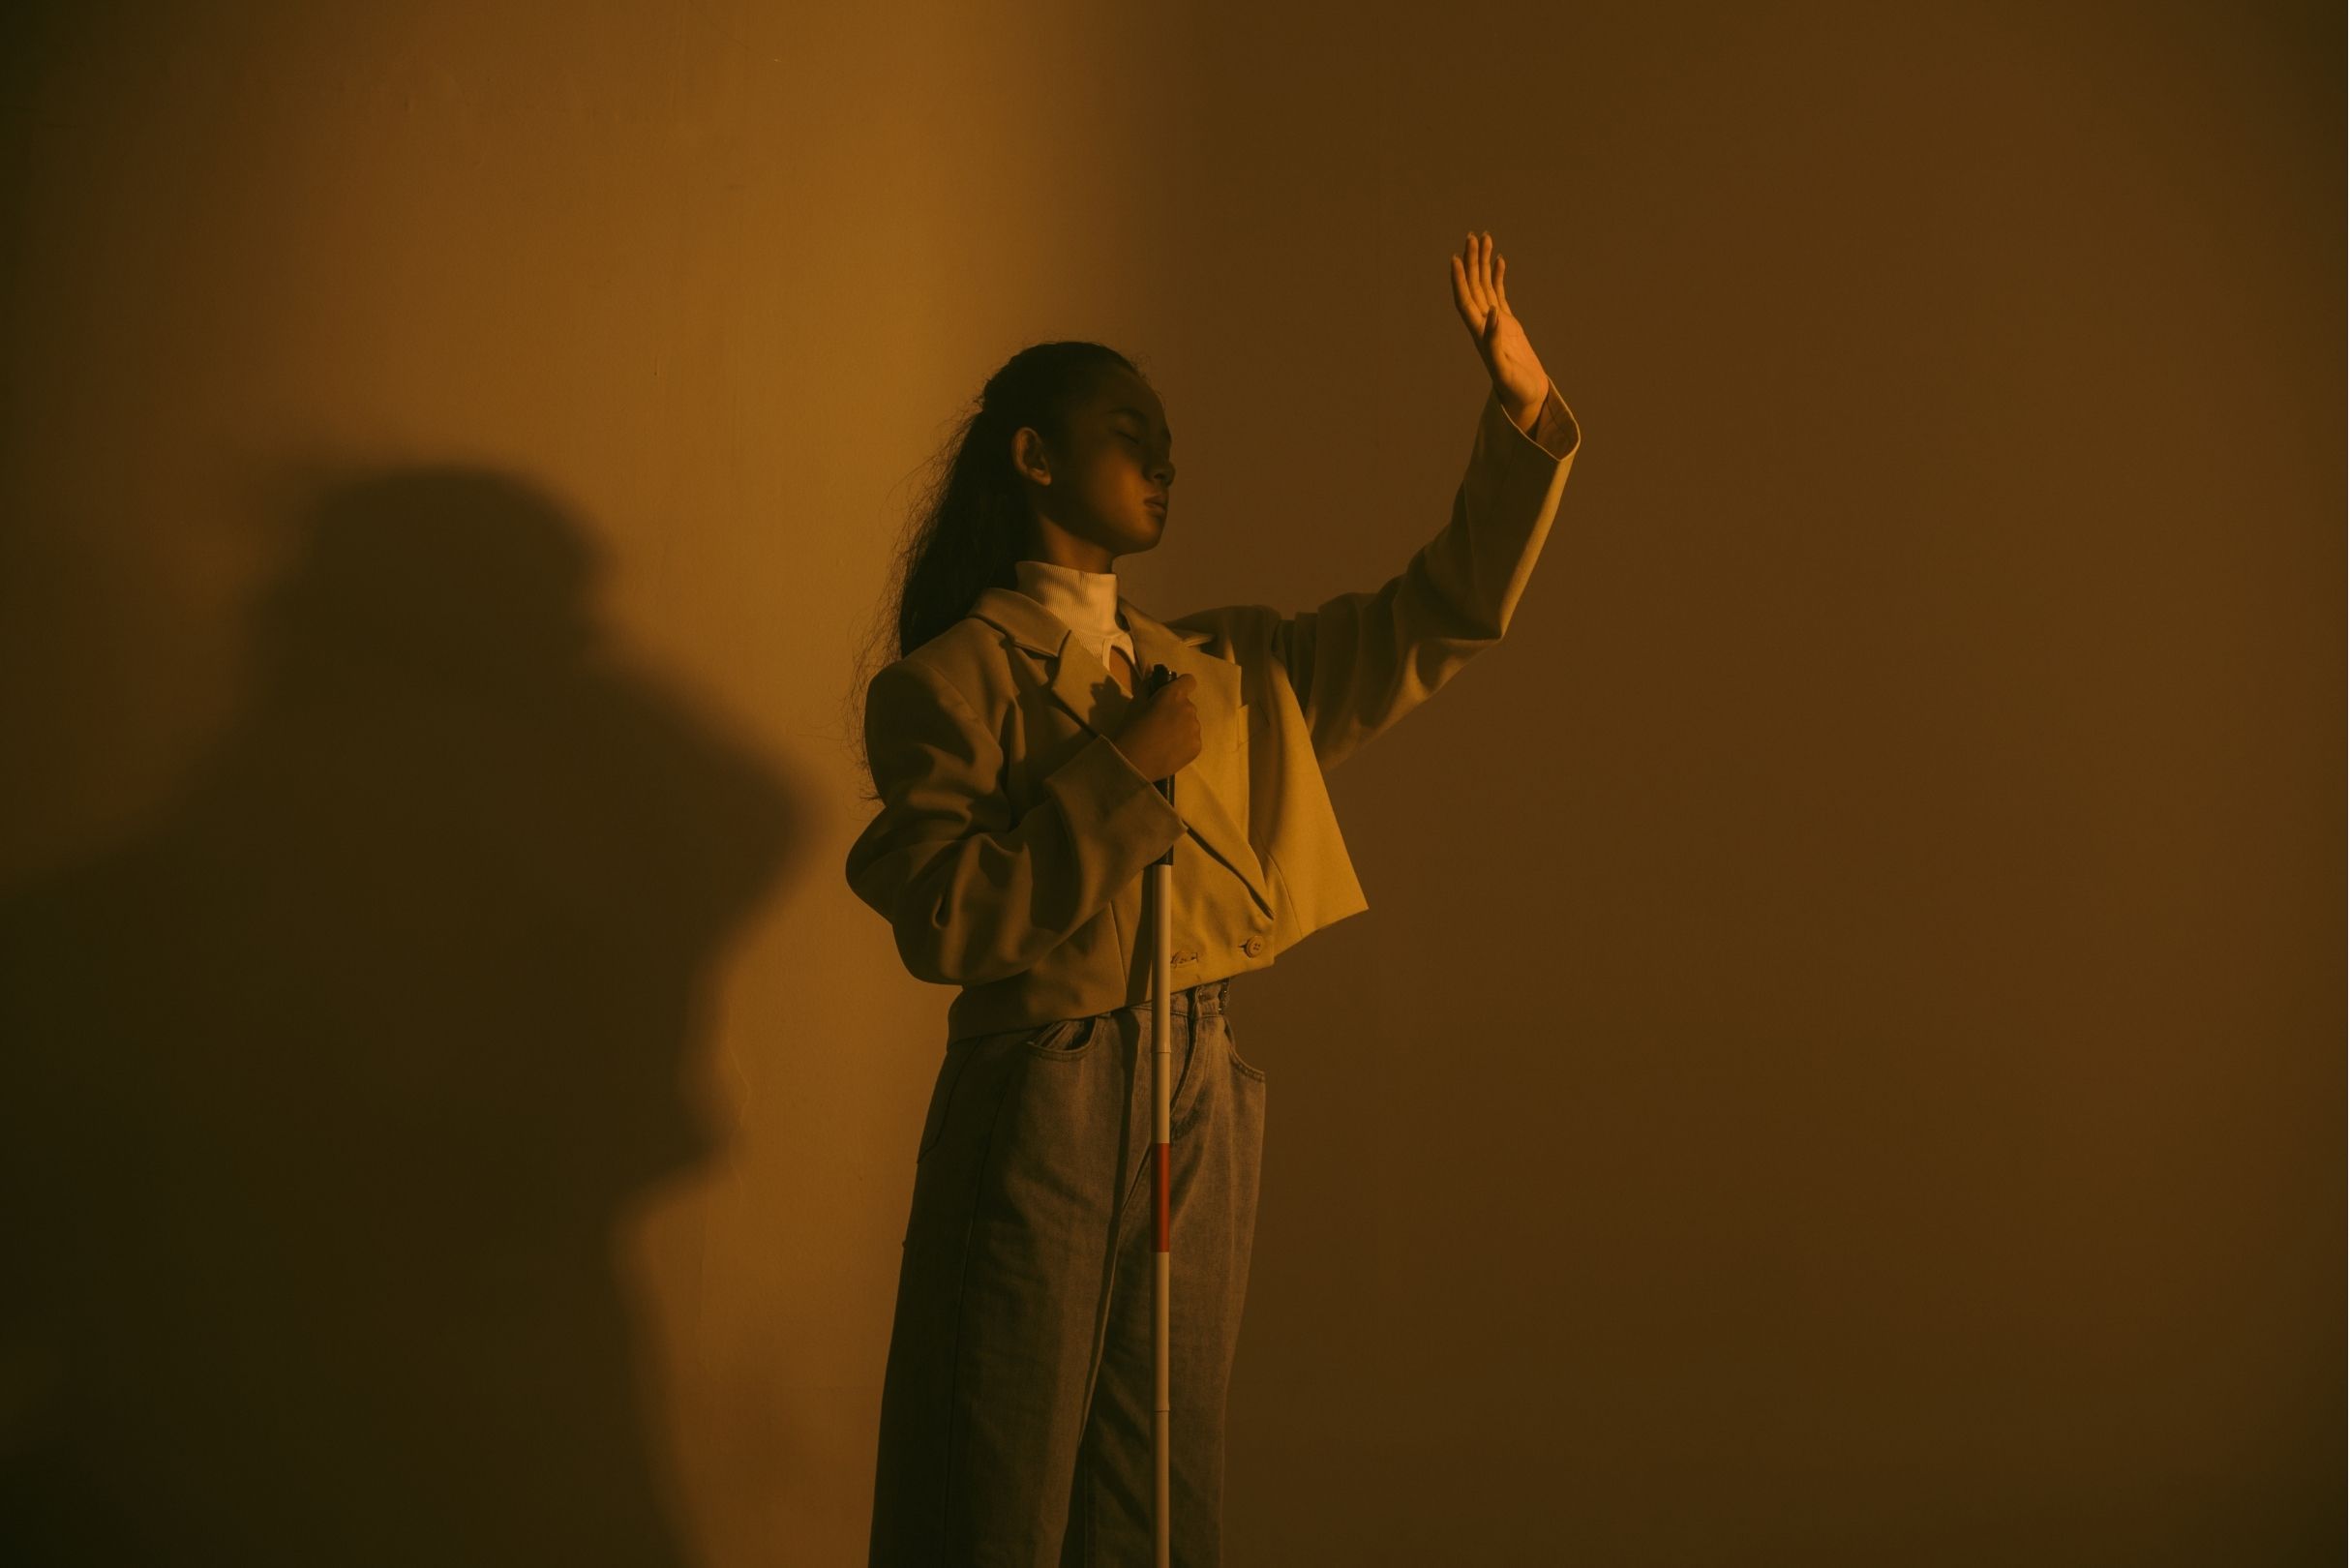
(323, 1094)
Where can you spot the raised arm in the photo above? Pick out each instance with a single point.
(973, 896)
(1360, 661)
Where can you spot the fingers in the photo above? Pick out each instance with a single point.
(1477, 282)
(1477, 264)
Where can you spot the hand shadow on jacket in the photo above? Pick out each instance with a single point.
(320, 1098)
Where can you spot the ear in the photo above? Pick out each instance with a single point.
(1029, 457)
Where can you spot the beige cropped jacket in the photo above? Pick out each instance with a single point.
(1009, 850)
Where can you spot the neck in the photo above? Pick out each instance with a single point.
(1058, 547)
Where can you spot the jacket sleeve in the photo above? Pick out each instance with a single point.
(1363, 660)
(973, 896)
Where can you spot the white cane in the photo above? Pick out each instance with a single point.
(1157, 883)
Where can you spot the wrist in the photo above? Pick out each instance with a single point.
(1525, 413)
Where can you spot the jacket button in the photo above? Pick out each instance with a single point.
(1252, 947)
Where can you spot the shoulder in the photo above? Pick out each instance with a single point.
(1239, 633)
(962, 653)
(958, 669)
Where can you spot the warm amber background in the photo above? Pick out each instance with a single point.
(1843, 1063)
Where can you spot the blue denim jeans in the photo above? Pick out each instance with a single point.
(1016, 1423)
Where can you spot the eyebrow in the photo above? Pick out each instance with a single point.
(1146, 419)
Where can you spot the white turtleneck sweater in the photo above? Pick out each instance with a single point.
(1086, 602)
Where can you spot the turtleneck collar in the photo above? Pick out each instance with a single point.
(1086, 602)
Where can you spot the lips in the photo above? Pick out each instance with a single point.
(1156, 503)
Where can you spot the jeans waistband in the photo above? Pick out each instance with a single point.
(1200, 1000)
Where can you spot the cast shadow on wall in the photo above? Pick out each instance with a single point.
(320, 1098)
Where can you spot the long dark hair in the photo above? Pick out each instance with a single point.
(971, 522)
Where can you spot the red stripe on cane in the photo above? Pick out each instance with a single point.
(1160, 1241)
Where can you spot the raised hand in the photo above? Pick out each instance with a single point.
(1519, 378)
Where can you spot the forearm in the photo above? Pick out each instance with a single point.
(984, 905)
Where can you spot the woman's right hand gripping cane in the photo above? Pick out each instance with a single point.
(1160, 732)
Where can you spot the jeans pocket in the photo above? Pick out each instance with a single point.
(1066, 1039)
(1232, 1048)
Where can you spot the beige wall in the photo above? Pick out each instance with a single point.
(1842, 1062)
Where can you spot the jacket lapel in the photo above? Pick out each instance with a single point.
(1211, 790)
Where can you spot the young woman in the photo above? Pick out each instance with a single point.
(1016, 773)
